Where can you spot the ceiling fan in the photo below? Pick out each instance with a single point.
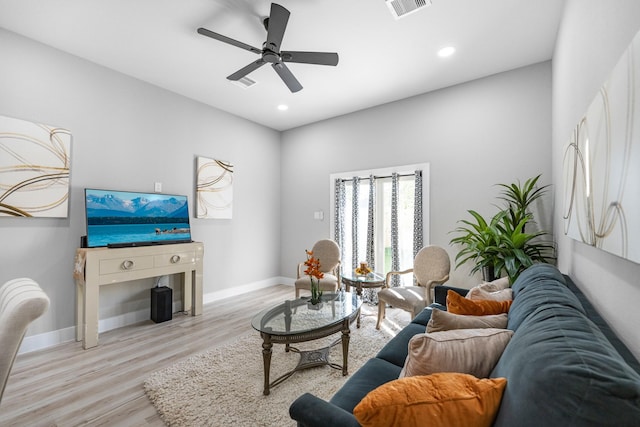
(275, 25)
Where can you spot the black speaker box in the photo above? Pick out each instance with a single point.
(161, 304)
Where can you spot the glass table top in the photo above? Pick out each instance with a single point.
(372, 277)
(295, 316)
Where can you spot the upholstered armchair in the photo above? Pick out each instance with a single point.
(327, 252)
(431, 267)
(21, 302)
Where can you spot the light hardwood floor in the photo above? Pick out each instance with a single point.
(68, 386)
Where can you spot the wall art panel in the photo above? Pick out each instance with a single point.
(35, 161)
(602, 165)
(214, 188)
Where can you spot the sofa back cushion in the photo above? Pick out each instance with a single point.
(560, 367)
(539, 285)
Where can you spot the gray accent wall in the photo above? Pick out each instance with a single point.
(592, 37)
(127, 135)
(473, 135)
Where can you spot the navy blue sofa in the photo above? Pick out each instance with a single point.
(564, 365)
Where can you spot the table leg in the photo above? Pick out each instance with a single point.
(345, 345)
(266, 359)
(359, 293)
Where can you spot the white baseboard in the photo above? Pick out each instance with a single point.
(50, 339)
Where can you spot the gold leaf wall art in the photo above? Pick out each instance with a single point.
(601, 165)
(214, 188)
(35, 161)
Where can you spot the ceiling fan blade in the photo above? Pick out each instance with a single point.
(246, 70)
(320, 58)
(287, 77)
(277, 24)
(228, 40)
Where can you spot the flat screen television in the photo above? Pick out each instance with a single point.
(125, 218)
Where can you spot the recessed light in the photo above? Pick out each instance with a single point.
(446, 51)
(283, 107)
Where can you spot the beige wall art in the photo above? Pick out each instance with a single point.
(602, 165)
(214, 188)
(35, 161)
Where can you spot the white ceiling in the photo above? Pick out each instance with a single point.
(382, 59)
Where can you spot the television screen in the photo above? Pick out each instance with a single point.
(124, 218)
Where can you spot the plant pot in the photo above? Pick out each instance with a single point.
(316, 306)
(488, 274)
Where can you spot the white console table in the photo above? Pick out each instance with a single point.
(95, 267)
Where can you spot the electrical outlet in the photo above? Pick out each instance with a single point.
(157, 187)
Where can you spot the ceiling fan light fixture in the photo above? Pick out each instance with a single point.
(401, 8)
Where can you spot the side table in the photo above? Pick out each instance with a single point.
(370, 281)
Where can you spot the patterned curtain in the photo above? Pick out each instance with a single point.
(395, 258)
(340, 202)
(371, 258)
(417, 215)
(354, 227)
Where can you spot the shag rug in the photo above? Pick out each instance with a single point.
(223, 386)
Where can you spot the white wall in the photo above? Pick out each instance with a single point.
(591, 40)
(474, 135)
(127, 135)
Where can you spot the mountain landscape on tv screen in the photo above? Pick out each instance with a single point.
(110, 205)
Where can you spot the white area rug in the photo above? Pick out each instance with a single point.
(223, 386)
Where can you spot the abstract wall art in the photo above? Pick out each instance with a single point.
(35, 161)
(214, 188)
(601, 165)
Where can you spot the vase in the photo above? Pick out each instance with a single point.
(316, 306)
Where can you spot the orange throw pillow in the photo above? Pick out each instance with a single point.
(457, 304)
(445, 399)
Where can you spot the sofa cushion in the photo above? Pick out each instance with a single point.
(438, 400)
(478, 293)
(458, 304)
(395, 351)
(540, 284)
(468, 351)
(372, 374)
(444, 321)
(604, 327)
(559, 364)
(496, 285)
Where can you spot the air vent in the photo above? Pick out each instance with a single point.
(400, 8)
(244, 82)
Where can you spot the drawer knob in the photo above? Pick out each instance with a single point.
(175, 259)
(127, 264)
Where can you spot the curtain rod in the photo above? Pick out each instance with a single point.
(378, 177)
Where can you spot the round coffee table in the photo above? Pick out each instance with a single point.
(295, 321)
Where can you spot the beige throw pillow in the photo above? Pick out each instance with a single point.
(443, 321)
(468, 351)
(479, 293)
(496, 285)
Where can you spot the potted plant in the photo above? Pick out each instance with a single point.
(313, 271)
(518, 250)
(479, 244)
(519, 198)
(502, 245)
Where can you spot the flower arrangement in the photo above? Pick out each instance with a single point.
(363, 270)
(313, 270)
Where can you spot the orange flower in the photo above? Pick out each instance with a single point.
(313, 266)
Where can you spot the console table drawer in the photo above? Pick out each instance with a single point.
(120, 265)
(177, 258)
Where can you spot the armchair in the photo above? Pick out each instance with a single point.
(21, 302)
(431, 267)
(328, 253)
